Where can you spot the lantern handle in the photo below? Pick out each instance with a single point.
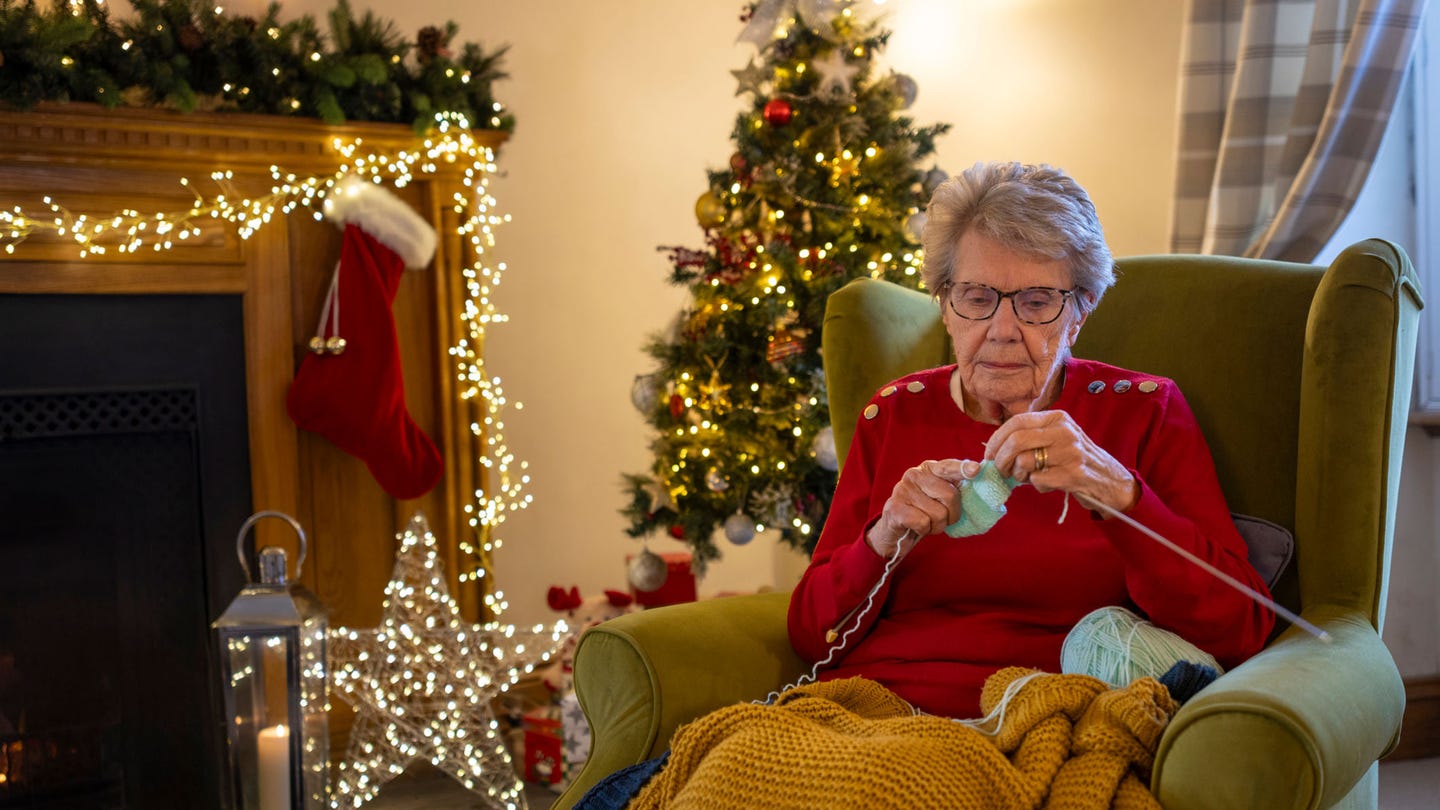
(251, 521)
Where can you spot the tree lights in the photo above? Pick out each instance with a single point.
(825, 185)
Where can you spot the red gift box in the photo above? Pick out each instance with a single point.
(544, 759)
(679, 583)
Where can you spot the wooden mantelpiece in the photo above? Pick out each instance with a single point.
(95, 161)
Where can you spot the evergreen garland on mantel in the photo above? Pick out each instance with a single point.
(190, 55)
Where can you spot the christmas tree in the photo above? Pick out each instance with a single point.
(826, 184)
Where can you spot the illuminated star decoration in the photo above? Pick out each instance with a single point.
(835, 75)
(749, 78)
(422, 683)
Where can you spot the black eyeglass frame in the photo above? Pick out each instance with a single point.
(1065, 295)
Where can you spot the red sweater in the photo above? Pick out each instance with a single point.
(956, 610)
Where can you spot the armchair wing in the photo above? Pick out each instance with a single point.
(1302, 724)
(642, 675)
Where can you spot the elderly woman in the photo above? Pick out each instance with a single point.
(1017, 261)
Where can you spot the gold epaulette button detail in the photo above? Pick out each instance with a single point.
(871, 410)
(1096, 387)
(887, 390)
(915, 387)
(1148, 386)
(1121, 386)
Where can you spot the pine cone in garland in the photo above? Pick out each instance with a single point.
(190, 38)
(430, 43)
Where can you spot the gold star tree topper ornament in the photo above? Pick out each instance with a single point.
(422, 683)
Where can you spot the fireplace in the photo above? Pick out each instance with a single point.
(161, 331)
(124, 475)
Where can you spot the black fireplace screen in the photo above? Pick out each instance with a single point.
(119, 478)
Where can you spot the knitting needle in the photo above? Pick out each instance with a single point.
(1276, 607)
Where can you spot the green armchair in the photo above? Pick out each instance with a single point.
(1300, 377)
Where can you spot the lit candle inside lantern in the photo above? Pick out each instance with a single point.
(275, 768)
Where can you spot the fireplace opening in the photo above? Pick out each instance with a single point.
(123, 478)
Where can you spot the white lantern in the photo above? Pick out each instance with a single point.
(272, 652)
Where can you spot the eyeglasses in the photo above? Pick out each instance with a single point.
(1033, 305)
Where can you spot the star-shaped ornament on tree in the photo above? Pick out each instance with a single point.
(422, 683)
(835, 76)
(660, 496)
(749, 78)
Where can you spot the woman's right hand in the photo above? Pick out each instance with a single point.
(924, 501)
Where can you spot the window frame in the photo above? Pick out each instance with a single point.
(1426, 98)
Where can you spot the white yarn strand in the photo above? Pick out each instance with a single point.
(331, 306)
(860, 614)
(997, 714)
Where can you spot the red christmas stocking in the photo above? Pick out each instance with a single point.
(350, 389)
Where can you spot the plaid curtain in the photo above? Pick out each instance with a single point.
(1282, 107)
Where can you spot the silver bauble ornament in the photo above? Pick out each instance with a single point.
(906, 88)
(915, 226)
(715, 480)
(824, 449)
(739, 529)
(933, 179)
(643, 393)
(647, 571)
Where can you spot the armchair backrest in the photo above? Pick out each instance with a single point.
(1299, 375)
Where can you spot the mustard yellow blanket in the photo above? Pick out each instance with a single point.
(1064, 741)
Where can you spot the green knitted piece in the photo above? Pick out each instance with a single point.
(982, 501)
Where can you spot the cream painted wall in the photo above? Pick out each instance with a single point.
(623, 106)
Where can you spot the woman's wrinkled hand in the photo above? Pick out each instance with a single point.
(925, 500)
(1049, 451)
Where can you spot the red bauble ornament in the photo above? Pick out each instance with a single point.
(677, 405)
(677, 531)
(738, 164)
(777, 112)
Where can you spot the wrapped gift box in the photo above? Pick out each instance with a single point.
(577, 735)
(544, 757)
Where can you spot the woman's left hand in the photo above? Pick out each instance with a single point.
(1049, 451)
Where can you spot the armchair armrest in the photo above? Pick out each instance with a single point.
(640, 676)
(1298, 725)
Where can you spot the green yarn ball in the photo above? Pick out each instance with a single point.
(1118, 647)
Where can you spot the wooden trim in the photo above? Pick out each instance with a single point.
(1420, 730)
(68, 278)
(128, 138)
(269, 368)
